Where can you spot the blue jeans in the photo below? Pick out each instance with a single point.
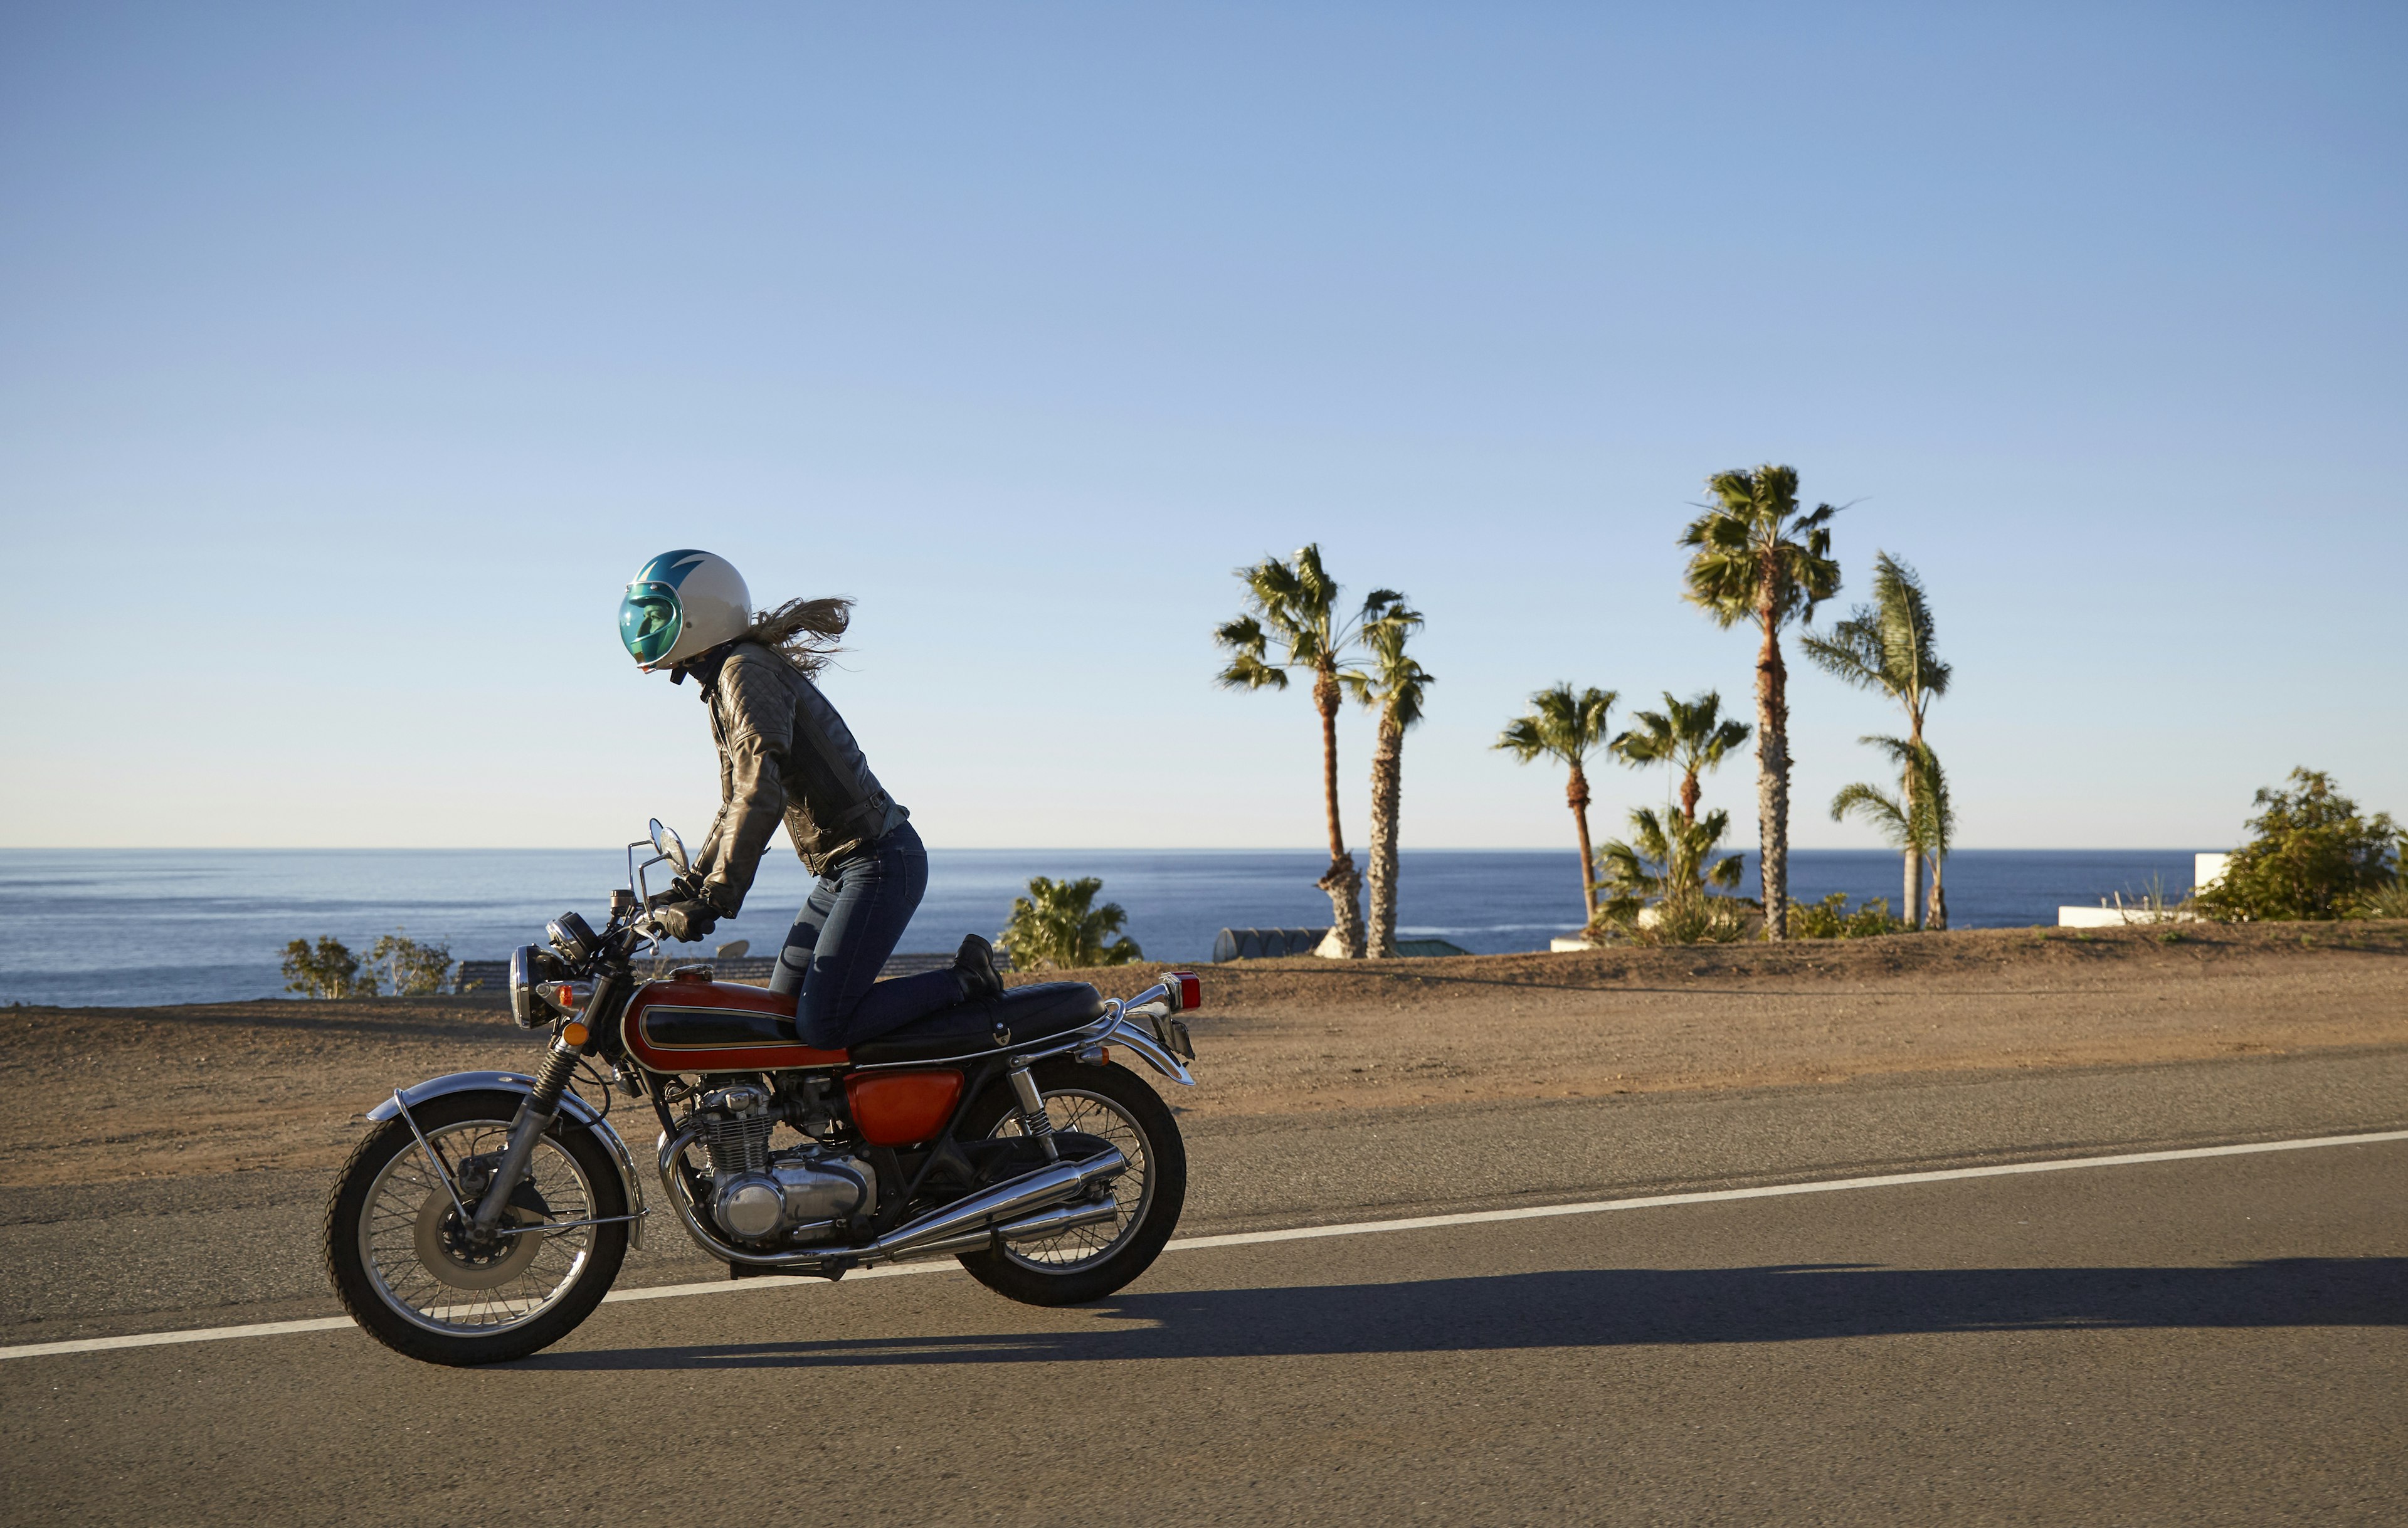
(841, 938)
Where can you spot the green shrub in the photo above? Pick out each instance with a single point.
(1688, 915)
(411, 969)
(2313, 857)
(1831, 918)
(330, 970)
(1057, 925)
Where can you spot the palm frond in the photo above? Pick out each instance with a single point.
(1522, 739)
(1563, 723)
(1752, 527)
(1248, 672)
(1057, 925)
(1691, 736)
(1889, 644)
(1936, 819)
(1293, 604)
(1666, 857)
(1393, 681)
(1876, 807)
(1243, 635)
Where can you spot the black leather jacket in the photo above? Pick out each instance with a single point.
(785, 754)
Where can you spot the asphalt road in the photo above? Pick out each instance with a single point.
(2216, 1340)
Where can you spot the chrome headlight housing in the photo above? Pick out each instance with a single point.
(523, 986)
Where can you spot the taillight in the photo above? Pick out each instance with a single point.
(1186, 991)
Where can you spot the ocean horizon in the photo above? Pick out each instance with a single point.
(133, 926)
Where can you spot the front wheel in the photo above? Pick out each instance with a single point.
(405, 1267)
(1115, 1106)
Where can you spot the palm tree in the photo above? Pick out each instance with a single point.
(1297, 603)
(1570, 727)
(1692, 736)
(1918, 818)
(1670, 861)
(1666, 857)
(1887, 646)
(1392, 685)
(1758, 559)
(1058, 924)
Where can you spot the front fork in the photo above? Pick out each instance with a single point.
(540, 1107)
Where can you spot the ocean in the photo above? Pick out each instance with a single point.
(140, 926)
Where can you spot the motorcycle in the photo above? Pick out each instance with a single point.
(485, 1214)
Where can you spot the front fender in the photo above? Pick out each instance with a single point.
(575, 1108)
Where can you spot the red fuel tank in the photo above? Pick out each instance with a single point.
(694, 1024)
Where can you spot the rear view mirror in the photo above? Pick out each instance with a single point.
(666, 844)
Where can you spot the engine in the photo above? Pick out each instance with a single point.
(757, 1195)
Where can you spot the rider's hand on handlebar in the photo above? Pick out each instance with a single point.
(686, 922)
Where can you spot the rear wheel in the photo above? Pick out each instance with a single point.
(406, 1269)
(1088, 1262)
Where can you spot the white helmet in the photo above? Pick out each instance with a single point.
(680, 606)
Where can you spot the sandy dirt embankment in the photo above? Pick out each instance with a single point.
(103, 1094)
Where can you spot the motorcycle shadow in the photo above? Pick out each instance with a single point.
(1600, 1309)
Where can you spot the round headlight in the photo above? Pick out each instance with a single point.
(523, 986)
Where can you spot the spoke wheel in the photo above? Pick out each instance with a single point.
(411, 1273)
(1087, 1262)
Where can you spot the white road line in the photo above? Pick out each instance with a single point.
(1309, 1233)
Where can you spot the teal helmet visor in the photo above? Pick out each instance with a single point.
(650, 618)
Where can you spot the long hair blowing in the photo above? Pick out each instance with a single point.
(803, 632)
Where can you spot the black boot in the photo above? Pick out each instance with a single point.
(974, 963)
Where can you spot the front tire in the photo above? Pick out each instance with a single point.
(1111, 1102)
(403, 1270)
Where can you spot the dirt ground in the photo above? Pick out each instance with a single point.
(103, 1094)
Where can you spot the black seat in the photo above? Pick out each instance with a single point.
(1020, 1016)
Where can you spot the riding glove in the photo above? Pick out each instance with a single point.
(686, 922)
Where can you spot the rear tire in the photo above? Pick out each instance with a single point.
(1114, 1101)
(389, 1226)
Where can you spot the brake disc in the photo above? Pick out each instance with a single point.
(444, 1251)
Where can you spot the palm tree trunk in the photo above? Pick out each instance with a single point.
(1912, 901)
(1576, 797)
(1341, 880)
(1689, 797)
(1388, 791)
(1939, 919)
(1773, 766)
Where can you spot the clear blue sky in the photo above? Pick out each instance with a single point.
(352, 357)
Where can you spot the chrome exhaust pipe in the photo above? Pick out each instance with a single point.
(978, 1214)
(1061, 1218)
(1036, 1227)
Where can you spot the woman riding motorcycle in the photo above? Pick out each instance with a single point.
(784, 754)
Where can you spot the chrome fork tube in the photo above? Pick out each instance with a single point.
(541, 1107)
(534, 1117)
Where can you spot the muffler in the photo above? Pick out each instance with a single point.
(1012, 1200)
(1061, 1218)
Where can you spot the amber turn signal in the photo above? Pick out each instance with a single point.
(575, 1034)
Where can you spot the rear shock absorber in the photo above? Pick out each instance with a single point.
(1034, 1123)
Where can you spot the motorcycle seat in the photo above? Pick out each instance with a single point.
(1020, 1016)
